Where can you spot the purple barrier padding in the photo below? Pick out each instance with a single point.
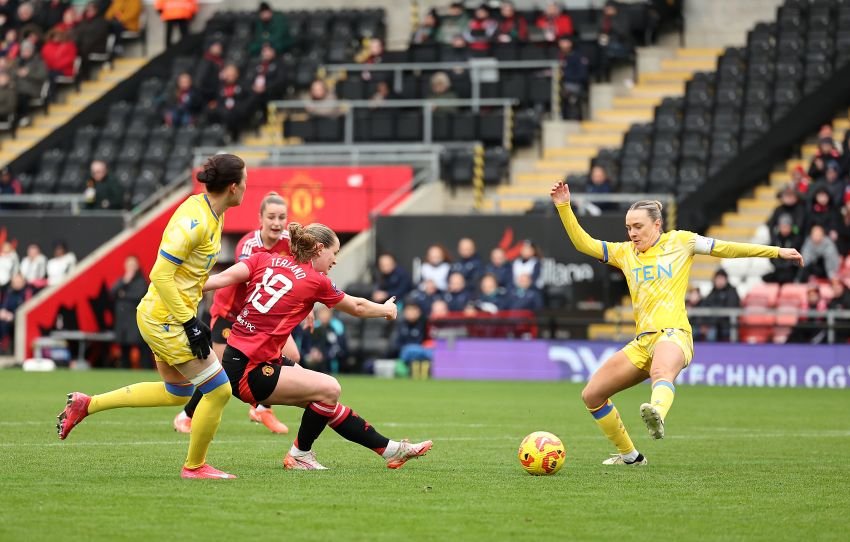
(714, 364)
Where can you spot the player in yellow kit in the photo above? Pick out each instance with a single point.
(168, 322)
(657, 266)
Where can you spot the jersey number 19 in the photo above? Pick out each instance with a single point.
(274, 285)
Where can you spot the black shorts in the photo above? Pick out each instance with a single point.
(254, 386)
(221, 330)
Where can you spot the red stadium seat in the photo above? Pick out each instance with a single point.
(762, 295)
(756, 324)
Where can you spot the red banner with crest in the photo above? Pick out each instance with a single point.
(342, 198)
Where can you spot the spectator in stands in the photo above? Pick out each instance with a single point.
(441, 89)
(233, 106)
(392, 280)
(511, 27)
(92, 33)
(15, 296)
(124, 15)
(842, 240)
(61, 264)
(34, 267)
(126, 293)
(826, 153)
(480, 30)
(784, 236)
(176, 14)
(600, 184)
(832, 183)
(68, 22)
(51, 12)
(500, 268)
(322, 101)
(528, 263)
(10, 46)
(185, 104)
(524, 296)
(209, 71)
(408, 338)
(458, 52)
(27, 23)
(468, 264)
(270, 27)
(329, 346)
(436, 267)
(840, 302)
(59, 53)
(820, 255)
(491, 297)
(574, 79)
(425, 296)
(800, 180)
(102, 191)
(9, 186)
(10, 265)
(811, 329)
(554, 23)
(428, 29)
(383, 92)
(30, 76)
(456, 295)
(8, 96)
(374, 52)
(267, 70)
(453, 24)
(615, 37)
(789, 204)
(823, 213)
(723, 295)
(699, 329)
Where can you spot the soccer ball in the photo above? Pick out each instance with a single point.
(542, 453)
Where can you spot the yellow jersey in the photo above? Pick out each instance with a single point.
(658, 277)
(190, 247)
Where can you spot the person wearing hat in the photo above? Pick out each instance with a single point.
(826, 152)
(270, 27)
(723, 295)
(832, 182)
(789, 204)
(784, 237)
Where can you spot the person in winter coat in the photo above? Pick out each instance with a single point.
(723, 295)
(176, 14)
(127, 292)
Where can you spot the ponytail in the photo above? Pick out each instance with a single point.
(304, 240)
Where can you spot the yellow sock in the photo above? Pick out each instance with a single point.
(663, 393)
(205, 423)
(143, 394)
(608, 419)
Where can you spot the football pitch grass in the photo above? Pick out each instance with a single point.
(738, 464)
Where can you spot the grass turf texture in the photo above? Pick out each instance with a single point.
(738, 464)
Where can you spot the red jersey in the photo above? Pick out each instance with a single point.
(281, 293)
(227, 301)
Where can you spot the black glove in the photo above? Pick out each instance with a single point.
(200, 337)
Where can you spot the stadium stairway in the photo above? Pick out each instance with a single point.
(606, 129)
(74, 101)
(742, 224)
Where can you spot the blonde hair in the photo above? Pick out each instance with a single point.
(270, 198)
(304, 240)
(652, 208)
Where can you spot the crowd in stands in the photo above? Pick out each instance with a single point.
(50, 39)
(21, 278)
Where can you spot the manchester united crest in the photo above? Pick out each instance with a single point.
(268, 370)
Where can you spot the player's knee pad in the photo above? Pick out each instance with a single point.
(179, 393)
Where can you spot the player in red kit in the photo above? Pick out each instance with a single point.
(281, 292)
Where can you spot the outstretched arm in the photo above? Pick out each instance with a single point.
(235, 274)
(583, 242)
(363, 308)
(729, 249)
